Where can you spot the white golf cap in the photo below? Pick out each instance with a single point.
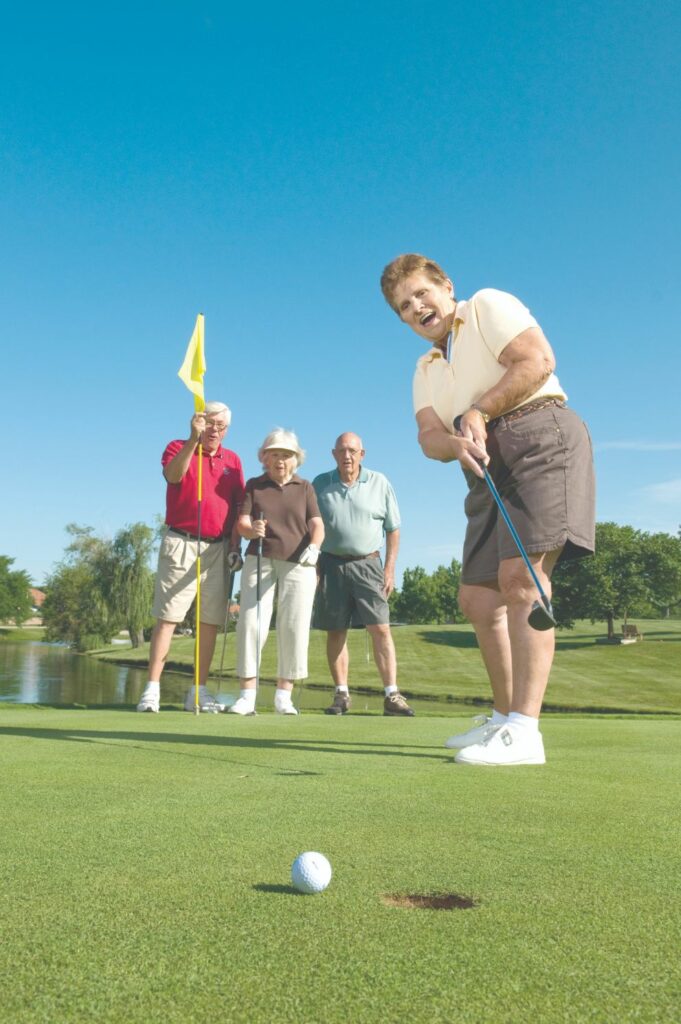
(284, 439)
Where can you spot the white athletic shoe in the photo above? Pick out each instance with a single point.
(284, 709)
(507, 745)
(150, 699)
(242, 706)
(207, 701)
(482, 728)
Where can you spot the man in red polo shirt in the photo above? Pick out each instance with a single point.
(222, 491)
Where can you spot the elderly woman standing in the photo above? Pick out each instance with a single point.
(487, 392)
(281, 508)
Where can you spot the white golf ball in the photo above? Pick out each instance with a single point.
(311, 872)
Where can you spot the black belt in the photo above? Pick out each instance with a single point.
(351, 558)
(193, 536)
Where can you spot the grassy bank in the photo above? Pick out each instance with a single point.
(443, 663)
(145, 872)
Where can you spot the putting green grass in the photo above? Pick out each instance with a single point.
(444, 663)
(145, 871)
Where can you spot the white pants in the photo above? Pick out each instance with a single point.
(296, 585)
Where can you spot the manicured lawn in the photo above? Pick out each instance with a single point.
(145, 862)
(443, 662)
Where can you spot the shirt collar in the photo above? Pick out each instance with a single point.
(460, 314)
(361, 479)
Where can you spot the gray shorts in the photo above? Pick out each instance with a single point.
(542, 465)
(350, 594)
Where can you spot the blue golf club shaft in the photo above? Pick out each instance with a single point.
(519, 544)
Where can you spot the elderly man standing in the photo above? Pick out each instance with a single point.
(222, 491)
(357, 506)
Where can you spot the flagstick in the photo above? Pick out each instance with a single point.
(197, 652)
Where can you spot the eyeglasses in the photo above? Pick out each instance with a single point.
(349, 451)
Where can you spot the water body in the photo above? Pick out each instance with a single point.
(40, 673)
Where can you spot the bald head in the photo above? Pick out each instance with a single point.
(348, 453)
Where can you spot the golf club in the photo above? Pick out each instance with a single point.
(258, 579)
(541, 616)
(230, 589)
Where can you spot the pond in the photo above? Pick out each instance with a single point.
(39, 673)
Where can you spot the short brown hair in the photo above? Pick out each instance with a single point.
(404, 266)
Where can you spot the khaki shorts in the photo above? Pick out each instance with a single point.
(542, 465)
(176, 580)
(350, 594)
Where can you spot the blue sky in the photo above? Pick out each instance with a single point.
(261, 165)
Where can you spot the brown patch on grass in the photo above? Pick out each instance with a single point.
(416, 901)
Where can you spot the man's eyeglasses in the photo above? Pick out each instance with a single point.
(349, 451)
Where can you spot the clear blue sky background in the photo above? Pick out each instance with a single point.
(261, 163)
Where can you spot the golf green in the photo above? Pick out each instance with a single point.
(145, 871)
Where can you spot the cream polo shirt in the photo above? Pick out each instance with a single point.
(483, 327)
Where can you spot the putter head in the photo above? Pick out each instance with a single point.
(541, 616)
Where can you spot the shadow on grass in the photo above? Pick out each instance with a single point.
(140, 740)
(282, 890)
(448, 639)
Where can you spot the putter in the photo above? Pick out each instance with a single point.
(541, 616)
(230, 588)
(257, 609)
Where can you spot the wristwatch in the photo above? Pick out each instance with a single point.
(485, 415)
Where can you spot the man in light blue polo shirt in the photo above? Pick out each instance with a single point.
(358, 507)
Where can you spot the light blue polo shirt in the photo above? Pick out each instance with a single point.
(356, 515)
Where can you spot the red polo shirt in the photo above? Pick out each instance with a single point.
(222, 492)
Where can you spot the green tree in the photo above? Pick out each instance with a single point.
(415, 602)
(662, 569)
(608, 585)
(15, 593)
(75, 609)
(126, 580)
(445, 581)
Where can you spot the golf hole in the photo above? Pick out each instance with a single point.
(416, 901)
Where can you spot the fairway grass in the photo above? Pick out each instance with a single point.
(145, 871)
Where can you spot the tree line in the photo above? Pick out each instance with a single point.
(104, 585)
(632, 573)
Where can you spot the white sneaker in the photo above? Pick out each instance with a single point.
(242, 706)
(207, 701)
(150, 699)
(507, 745)
(284, 709)
(482, 728)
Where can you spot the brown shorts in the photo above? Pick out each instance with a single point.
(542, 465)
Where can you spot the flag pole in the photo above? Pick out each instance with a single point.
(191, 373)
(197, 652)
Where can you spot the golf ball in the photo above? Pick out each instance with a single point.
(311, 872)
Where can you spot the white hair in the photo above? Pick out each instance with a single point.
(219, 409)
(285, 439)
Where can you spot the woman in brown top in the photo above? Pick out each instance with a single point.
(281, 508)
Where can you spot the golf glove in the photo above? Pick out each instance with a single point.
(309, 555)
(234, 561)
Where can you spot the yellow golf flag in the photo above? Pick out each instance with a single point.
(194, 366)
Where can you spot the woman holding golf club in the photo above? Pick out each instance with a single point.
(486, 395)
(280, 517)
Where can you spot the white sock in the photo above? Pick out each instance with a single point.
(524, 721)
(498, 718)
(152, 687)
(342, 689)
(282, 698)
(248, 695)
(390, 689)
